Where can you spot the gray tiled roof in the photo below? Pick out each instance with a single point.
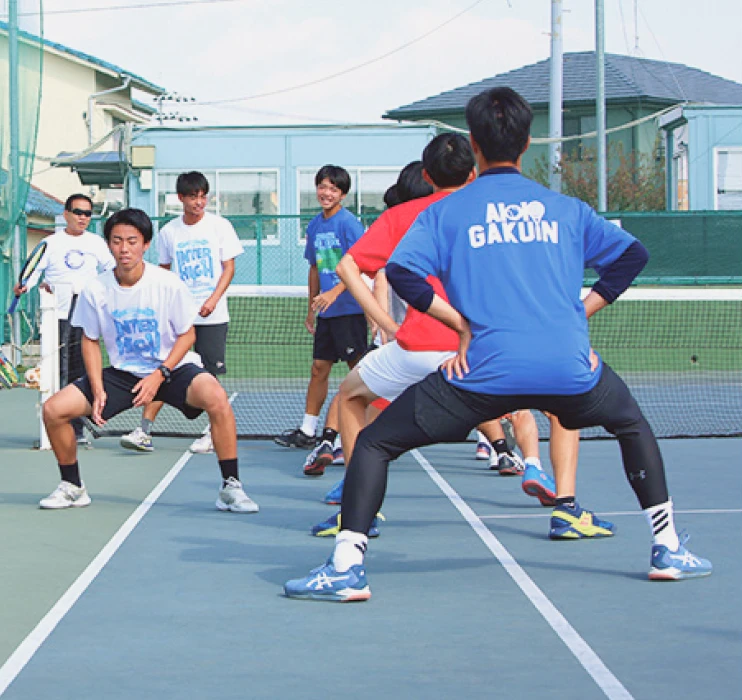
(627, 79)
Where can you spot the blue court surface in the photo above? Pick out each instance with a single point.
(470, 598)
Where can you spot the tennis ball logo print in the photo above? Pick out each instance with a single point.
(514, 223)
(137, 338)
(195, 266)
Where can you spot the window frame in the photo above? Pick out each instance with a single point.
(356, 180)
(717, 151)
(214, 193)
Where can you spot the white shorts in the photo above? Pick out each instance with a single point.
(389, 370)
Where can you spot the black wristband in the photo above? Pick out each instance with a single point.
(165, 373)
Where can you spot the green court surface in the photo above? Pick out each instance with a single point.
(470, 599)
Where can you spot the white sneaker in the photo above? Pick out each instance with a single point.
(66, 495)
(233, 497)
(202, 445)
(137, 440)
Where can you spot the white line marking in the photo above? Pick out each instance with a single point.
(30, 645)
(590, 661)
(612, 514)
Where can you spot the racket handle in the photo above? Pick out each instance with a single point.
(13, 304)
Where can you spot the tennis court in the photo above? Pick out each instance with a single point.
(470, 599)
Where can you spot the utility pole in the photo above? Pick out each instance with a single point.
(600, 105)
(556, 66)
(14, 169)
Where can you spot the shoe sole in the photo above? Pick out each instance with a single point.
(225, 507)
(354, 597)
(673, 574)
(317, 468)
(135, 448)
(332, 501)
(538, 490)
(511, 471)
(283, 443)
(80, 503)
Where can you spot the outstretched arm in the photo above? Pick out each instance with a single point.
(350, 273)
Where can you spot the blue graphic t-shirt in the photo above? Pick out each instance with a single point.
(140, 324)
(511, 256)
(327, 241)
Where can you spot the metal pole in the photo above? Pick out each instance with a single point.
(14, 163)
(600, 105)
(555, 96)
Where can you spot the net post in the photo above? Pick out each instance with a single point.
(49, 370)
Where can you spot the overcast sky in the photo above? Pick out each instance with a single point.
(216, 50)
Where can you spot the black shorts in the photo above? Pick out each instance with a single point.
(211, 344)
(118, 385)
(340, 338)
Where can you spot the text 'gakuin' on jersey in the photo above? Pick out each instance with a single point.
(514, 223)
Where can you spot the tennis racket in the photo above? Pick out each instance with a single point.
(28, 269)
(8, 375)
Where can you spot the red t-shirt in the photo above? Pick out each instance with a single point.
(418, 332)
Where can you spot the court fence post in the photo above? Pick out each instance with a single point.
(49, 370)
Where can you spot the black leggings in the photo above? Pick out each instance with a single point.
(434, 411)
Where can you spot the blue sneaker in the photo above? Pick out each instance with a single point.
(331, 526)
(677, 565)
(577, 523)
(537, 483)
(326, 583)
(334, 496)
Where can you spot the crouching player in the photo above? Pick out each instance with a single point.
(145, 316)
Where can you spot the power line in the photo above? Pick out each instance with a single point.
(139, 6)
(310, 83)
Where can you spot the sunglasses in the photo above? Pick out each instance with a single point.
(82, 212)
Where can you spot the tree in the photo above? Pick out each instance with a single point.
(637, 183)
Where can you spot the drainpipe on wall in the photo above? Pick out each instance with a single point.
(94, 97)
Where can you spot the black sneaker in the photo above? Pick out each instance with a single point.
(295, 438)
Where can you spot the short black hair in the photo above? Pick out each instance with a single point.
(448, 160)
(131, 217)
(500, 122)
(191, 183)
(73, 197)
(410, 183)
(336, 175)
(391, 197)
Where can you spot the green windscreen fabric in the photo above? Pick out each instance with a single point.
(19, 121)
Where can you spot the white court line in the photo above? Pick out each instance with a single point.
(613, 514)
(590, 661)
(30, 645)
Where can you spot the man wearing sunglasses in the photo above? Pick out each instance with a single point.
(73, 257)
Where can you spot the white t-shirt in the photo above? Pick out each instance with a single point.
(69, 263)
(140, 324)
(196, 253)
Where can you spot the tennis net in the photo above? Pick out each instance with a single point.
(679, 350)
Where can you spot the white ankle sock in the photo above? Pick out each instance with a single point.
(309, 426)
(662, 525)
(535, 461)
(350, 548)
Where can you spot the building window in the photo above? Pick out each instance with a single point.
(728, 178)
(365, 198)
(248, 198)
